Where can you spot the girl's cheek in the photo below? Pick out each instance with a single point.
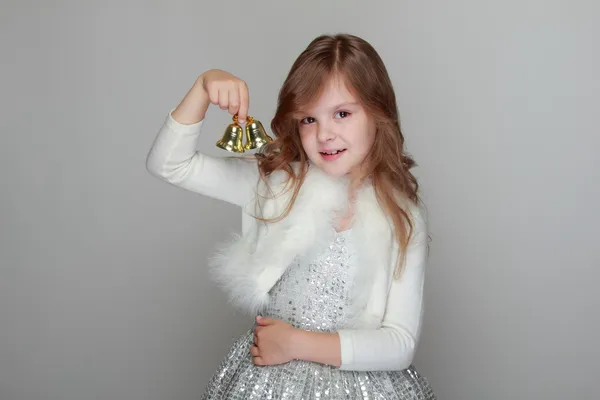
(302, 129)
(306, 133)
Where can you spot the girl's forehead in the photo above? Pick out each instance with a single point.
(334, 92)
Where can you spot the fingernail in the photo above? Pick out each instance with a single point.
(258, 317)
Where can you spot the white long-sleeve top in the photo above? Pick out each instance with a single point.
(173, 157)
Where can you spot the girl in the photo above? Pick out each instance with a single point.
(332, 256)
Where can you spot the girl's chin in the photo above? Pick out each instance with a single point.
(335, 172)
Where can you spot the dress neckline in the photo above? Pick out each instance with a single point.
(341, 233)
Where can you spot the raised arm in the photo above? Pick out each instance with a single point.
(173, 156)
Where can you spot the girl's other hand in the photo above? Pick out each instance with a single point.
(272, 342)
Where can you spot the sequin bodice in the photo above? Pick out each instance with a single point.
(312, 295)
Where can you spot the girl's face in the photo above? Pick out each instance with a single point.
(336, 131)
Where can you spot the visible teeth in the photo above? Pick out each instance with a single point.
(333, 152)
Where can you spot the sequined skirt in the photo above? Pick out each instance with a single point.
(238, 378)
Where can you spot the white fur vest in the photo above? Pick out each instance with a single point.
(250, 264)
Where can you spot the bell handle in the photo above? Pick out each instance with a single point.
(249, 120)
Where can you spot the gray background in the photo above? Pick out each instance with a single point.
(104, 292)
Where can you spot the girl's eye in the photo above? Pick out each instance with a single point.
(307, 120)
(343, 114)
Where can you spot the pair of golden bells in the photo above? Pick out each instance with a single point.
(232, 139)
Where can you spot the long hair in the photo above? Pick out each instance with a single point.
(364, 73)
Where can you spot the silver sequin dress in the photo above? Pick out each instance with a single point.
(311, 296)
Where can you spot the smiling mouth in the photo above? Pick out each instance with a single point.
(330, 153)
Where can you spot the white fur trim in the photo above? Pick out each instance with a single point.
(247, 266)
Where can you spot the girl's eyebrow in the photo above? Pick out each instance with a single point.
(352, 103)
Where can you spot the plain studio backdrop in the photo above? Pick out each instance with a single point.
(104, 291)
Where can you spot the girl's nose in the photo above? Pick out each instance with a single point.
(325, 134)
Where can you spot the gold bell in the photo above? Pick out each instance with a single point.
(232, 138)
(256, 136)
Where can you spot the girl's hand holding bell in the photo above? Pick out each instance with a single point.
(217, 87)
(227, 91)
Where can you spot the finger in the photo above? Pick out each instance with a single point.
(254, 351)
(258, 360)
(265, 321)
(213, 95)
(255, 339)
(223, 99)
(244, 101)
(234, 101)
